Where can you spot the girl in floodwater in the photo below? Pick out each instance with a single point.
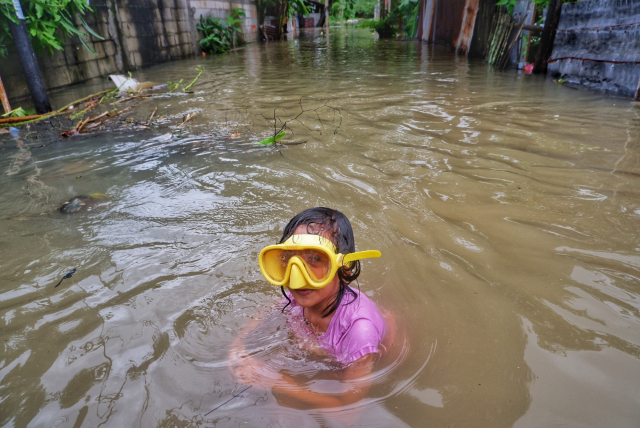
(313, 264)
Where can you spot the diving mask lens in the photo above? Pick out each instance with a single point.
(317, 263)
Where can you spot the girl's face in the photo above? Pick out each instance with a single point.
(315, 299)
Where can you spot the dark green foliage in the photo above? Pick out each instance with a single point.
(386, 28)
(409, 10)
(349, 9)
(49, 22)
(540, 4)
(364, 8)
(220, 35)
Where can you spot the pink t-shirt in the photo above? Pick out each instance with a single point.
(356, 329)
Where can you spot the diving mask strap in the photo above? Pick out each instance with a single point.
(351, 257)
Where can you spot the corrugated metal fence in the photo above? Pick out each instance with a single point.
(461, 24)
(598, 45)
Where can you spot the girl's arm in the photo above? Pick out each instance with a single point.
(356, 380)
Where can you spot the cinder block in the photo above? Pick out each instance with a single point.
(55, 60)
(168, 14)
(170, 27)
(83, 54)
(174, 51)
(90, 69)
(109, 48)
(185, 38)
(130, 30)
(162, 41)
(132, 44)
(135, 59)
(57, 77)
(99, 48)
(182, 14)
(107, 66)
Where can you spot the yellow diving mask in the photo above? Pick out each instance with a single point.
(305, 261)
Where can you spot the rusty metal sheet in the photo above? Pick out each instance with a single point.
(463, 41)
(449, 22)
(4, 99)
(427, 14)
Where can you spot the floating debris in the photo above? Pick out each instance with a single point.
(76, 203)
(67, 275)
(73, 205)
(270, 140)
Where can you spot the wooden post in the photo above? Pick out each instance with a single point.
(548, 36)
(326, 15)
(637, 96)
(3, 97)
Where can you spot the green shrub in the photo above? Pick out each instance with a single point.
(220, 35)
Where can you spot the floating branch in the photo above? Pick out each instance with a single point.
(281, 126)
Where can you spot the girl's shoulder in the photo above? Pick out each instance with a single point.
(358, 307)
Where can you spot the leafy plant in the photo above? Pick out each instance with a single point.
(214, 40)
(286, 9)
(233, 24)
(540, 4)
(18, 112)
(409, 10)
(386, 28)
(220, 35)
(49, 23)
(364, 8)
(349, 9)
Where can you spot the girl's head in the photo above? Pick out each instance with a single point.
(334, 226)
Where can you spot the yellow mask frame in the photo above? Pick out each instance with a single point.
(291, 264)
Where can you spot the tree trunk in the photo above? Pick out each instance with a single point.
(548, 36)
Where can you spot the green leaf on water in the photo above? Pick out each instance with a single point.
(270, 140)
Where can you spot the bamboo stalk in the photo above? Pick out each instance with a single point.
(29, 119)
(505, 58)
(8, 120)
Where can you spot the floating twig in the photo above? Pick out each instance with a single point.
(130, 98)
(152, 114)
(200, 68)
(69, 275)
(187, 118)
(232, 397)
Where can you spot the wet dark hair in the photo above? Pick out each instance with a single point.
(335, 226)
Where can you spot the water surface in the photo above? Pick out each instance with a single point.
(506, 208)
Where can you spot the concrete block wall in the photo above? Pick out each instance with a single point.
(598, 45)
(220, 9)
(137, 34)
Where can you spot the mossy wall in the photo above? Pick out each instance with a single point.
(137, 33)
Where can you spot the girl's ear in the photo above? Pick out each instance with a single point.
(346, 270)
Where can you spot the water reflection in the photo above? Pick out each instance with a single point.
(506, 208)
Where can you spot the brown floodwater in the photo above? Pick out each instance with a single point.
(506, 208)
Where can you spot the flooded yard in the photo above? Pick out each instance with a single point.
(506, 208)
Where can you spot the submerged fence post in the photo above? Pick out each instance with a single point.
(29, 62)
(548, 36)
